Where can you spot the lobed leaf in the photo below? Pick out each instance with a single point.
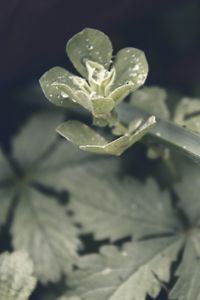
(133, 273)
(141, 210)
(41, 228)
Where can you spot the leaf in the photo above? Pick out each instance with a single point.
(89, 44)
(34, 139)
(188, 189)
(131, 68)
(166, 133)
(187, 286)
(152, 100)
(16, 279)
(41, 228)
(133, 273)
(187, 114)
(109, 202)
(62, 88)
(38, 219)
(88, 140)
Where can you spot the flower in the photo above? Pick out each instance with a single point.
(103, 85)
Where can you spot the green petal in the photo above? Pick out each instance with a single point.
(131, 68)
(50, 83)
(88, 140)
(89, 44)
(60, 87)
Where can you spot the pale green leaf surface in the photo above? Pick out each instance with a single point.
(62, 177)
(35, 138)
(131, 68)
(87, 139)
(16, 276)
(58, 86)
(133, 273)
(187, 113)
(141, 210)
(89, 44)
(42, 229)
(188, 190)
(187, 286)
(152, 100)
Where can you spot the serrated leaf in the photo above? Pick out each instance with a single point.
(188, 189)
(152, 100)
(38, 219)
(187, 286)
(131, 68)
(16, 279)
(87, 139)
(41, 228)
(141, 210)
(187, 114)
(35, 139)
(89, 44)
(133, 273)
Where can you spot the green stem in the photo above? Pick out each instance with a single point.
(164, 132)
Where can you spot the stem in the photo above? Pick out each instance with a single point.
(164, 132)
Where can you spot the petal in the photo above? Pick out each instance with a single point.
(88, 140)
(131, 68)
(89, 44)
(60, 87)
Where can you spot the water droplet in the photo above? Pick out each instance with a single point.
(106, 271)
(64, 95)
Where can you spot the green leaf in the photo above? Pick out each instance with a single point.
(152, 100)
(88, 140)
(41, 228)
(188, 189)
(187, 286)
(16, 279)
(32, 142)
(109, 202)
(39, 223)
(133, 273)
(187, 114)
(89, 44)
(166, 133)
(131, 68)
(61, 87)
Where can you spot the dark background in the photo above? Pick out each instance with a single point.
(33, 35)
